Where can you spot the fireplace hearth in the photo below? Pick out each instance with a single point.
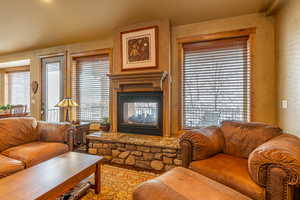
(140, 112)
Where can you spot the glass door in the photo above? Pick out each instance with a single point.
(52, 88)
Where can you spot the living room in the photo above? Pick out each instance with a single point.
(149, 100)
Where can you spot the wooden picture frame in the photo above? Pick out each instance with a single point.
(139, 48)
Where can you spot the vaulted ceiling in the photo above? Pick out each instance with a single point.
(32, 24)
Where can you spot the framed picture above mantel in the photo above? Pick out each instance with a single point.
(139, 48)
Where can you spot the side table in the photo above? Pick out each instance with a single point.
(81, 130)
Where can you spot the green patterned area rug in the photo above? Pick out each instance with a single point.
(118, 183)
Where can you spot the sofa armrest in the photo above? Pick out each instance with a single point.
(200, 144)
(280, 153)
(56, 132)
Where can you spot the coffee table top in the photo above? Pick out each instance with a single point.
(35, 182)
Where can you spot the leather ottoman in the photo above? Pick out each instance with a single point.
(184, 184)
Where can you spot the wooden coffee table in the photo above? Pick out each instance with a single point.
(51, 178)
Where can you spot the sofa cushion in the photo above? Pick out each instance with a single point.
(17, 131)
(36, 152)
(242, 138)
(9, 166)
(53, 132)
(184, 184)
(231, 171)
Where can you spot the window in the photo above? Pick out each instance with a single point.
(216, 82)
(91, 87)
(18, 88)
(52, 87)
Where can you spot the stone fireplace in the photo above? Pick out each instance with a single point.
(140, 113)
(128, 142)
(140, 134)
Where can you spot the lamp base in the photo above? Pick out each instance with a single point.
(67, 115)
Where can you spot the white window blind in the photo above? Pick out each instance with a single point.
(91, 87)
(18, 88)
(216, 82)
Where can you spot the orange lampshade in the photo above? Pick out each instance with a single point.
(67, 103)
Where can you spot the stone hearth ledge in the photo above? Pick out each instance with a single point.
(143, 151)
(145, 140)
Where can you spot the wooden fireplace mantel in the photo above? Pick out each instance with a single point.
(152, 78)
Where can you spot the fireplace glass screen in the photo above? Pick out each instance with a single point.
(140, 113)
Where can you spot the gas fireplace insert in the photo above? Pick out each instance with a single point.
(140, 112)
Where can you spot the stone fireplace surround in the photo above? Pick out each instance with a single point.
(143, 151)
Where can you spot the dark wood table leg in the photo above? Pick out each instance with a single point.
(98, 178)
(87, 145)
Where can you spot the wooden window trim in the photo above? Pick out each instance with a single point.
(97, 52)
(15, 69)
(250, 32)
(216, 36)
(53, 54)
(90, 53)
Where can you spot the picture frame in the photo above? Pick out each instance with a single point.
(139, 48)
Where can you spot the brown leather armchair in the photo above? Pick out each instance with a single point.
(256, 159)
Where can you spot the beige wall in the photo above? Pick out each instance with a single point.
(2, 85)
(35, 67)
(264, 72)
(265, 95)
(288, 60)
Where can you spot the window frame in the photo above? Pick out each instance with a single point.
(250, 32)
(60, 58)
(41, 78)
(97, 52)
(5, 72)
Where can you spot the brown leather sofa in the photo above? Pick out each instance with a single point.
(25, 142)
(256, 159)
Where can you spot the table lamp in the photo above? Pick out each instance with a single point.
(67, 103)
